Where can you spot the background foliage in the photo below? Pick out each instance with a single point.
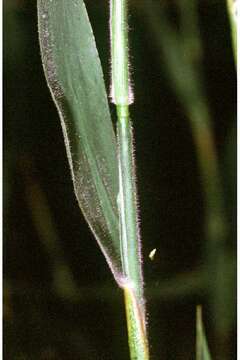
(60, 299)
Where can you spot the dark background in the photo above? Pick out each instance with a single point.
(60, 300)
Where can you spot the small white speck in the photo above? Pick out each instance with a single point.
(44, 16)
(152, 254)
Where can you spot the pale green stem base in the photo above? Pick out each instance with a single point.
(137, 337)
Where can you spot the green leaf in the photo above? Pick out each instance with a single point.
(202, 351)
(74, 75)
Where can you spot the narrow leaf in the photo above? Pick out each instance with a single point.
(202, 351)
(232, 12)
(74, 75)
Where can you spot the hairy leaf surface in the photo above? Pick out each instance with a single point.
(74, 75)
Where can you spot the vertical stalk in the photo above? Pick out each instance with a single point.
(138, 343)
(130, 244)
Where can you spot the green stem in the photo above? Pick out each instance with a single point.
(136, 327)
(120, 89)
(133, 288)
(130, 244)
(127, 202)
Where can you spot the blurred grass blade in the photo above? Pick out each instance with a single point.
(202, 351)
(74, 74)
(232, 12)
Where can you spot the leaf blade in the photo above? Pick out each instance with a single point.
(202, 351)
(74, 75)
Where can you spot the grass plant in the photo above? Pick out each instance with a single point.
(101, 157)
(102, 170)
